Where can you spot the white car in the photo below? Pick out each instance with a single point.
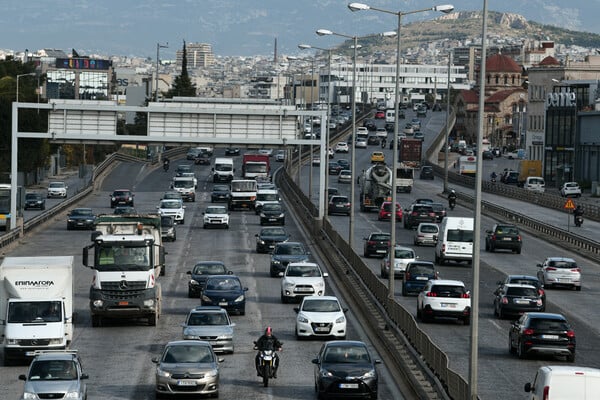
(444, 298)
(302, 279)
(381, 133)
(57, 189)
(173, 208)
(216, 216)
(320, 316)
(559, 271)
(280, 156)
(341, 147)
(360, 143)
(402, 256)
(570, 189)
(426, 231)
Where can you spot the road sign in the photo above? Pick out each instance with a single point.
(569, 204)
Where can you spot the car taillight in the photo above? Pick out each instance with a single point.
(519, 238)
(493, 237)
(576, 270)
(550, 269)
(570, 334)
(541, 292)
(407, 274)
(538, 302)
(465, 296)
(371, 242)
(414, 213)
(431, 294)
(432, 214)
(528, 331)
(504, 300)
(546, 393)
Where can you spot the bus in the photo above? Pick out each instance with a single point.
(5, 206)
(467, 165)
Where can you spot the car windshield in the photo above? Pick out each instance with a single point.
(404, 253)
(273, 232)
(521, 291)
(220, 188)
(346, 354)
(187, 354)
(120, 193)
(267, 196)
(202, 319)
(183, 183)
(437, 207)
(34, 311)
(167, 221)
(303, 270)
(53, 370)
(216, 210)
(420, 269)
(272, 207)
(223, 284)
(170, 204)
(209, 269)
(380, 236)
(32, 196)
(321, 306)
(56, 185)
(507, 230)
(290, 250)
(81, 212)
(525, 281)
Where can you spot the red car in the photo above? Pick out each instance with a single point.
(380, 115)
(385, 211)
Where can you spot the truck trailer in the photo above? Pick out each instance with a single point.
(36, 305)
(375, 187)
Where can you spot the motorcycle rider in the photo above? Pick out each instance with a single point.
(268, 341)
(166, 163)
(493, 177)
(577, 212)
(383, 143)
(452, 199)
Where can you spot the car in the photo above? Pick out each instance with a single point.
(200, 273)
(265, 185)
(34, 200)
(225, 291)
(426, 172)
(444, 298)
(338, 204)
(408, 130)
(168, 228)
(280, 156)
(422, 111)
(380, 115)
(426, 234)
(345, 369)
(333, 168)
(525, 280)
(171, 194)
(193, 153)
(416, 124)
(332, 191)
(174, 208)
(419, 135)
(503, 236)
(510, 177)
(81, 218)
(203, 158)
(377, 157)
(385, 211)
(57, 189)
(402, 257)
(316, 160)
(542, 333)
(266, 152)
(373, 140)
(343, 163)
(266, 196)
(285, 253)
(417, 213)
(416, 275)
(302, 279)
(345, 176)
(121, 210)
(121, 197)
(569, 189)
(360, 143)
(268, 237)
(272, 214)
(187, 367)
(232, 151)
(515, 299)
(210, 323)
(220, 194)
(320, 316)
(423, 200)
(362, 130)
(56, 373)
(487, 155)
(377, 243)
(181, 168)
(440, 211)
(559, 271)
(341, 147)
(381, 133)
(215, 216)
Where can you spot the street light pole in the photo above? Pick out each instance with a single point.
(158, 47)
(361, 7)
(447, 136)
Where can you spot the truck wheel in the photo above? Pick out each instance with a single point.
(163, 270)
(96, 321)
(153, 319)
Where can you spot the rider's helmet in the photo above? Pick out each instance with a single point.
(452, 191)
(268, 331)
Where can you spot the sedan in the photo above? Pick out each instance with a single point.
(559, 271)
(200, 274)
(320, 316)
(232, 151)
(267, 237)
(542, 333)
(225, 291)
(187, 367)
(35, 200)
(57, 189)
(211, 324)
(570, 189)
(516, 299)
(360, 143)
(345, 369)
(385, 211)
(81, 218)
(377, 157)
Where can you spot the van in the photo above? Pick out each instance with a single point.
(390, 116)
(223, 169)
(535, 184)
(558, 382)
(455, 240)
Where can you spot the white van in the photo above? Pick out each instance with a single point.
(223, 169)
(455, 240)
(559, 382)
(390, 116)
(535, 184)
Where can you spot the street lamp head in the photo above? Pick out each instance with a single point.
(445, 8)
(389, 34)
(323, 32)
(304, 46)
(358, 7)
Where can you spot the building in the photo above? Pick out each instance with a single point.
(199, 55)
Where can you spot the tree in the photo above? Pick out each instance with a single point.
(182, 85)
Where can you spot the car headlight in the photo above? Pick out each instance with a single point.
(302, 319)
(368, 375)
(280, 215)
(162, 373)
(194, 282)
(239, 298)
(340, 320)
(212, 373)
(70, 220)
(113, 198)
(71, 395)
(190, 337)
(206, 299)
(260, 241)
(320, 284)
(288, 285)
(325, 374)
(262, 215)
(275, 262)
(29, 395)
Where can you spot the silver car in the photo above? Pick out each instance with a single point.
(57, 189)
(212, 324)
(187, 367)
(58, 373)
(560, 271)
(402, 256)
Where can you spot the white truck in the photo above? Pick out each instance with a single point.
(186, 186)
(404, 178)
(128, 257)
(36, 305)
(223, 169)
(243, 194)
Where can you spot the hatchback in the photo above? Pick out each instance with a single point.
(272, 213)
(525, 280)
(211, 324)
(373, 140)
(220, 193)
(385, 211)
(426, 172)
(121, 197)
(285, 253)
(267, 237)
(302, 279)
(345, 176)
(560, 271)
(426, 234)
(320, 316)
(338, 205)
(333, 168)
(570, 189)
(542, 333)
(416, 276)
(361, 143)
(418, 213)
(225, 291)
(516, 299)
(402, 257)
(376, 243)
(377, 157)
(341, 147)
(57, 189)
(35, 200)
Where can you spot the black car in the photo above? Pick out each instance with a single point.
(272, 214)
(225, 291)
(268, 237)
(426, 172)
(220, 193)
(345, 369)
(285, 253)
(417, 213)
(120, 210)
(525, 280)
(376, 243)
(343, 163)
(333, 168)
(503, 236)
(515, 299)
(232, 151)
(439, 210)
(373, 140)
(487, 155)
(338, 205)
(81, 218)
(200, 274)
(416, 275)
(542, 333)
(168, 228)
(121, 197)
(35, 200)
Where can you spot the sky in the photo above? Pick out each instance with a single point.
(235, 27)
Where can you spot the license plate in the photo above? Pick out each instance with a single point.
(321, 329)
(123, 303)
(381, 251)
(272, 219)
(506, 239)
(551, 337)
(422, 278)
(519, 301)
(348, 385)
(186, 383)
(448, 305)
(222, 303)
(304, 289)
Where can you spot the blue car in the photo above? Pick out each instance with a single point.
(416, 276)
(225, 291)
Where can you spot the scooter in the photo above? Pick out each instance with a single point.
(451, 203)
(578, 220)
(266, 362)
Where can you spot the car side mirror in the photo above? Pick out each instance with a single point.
(345, 310)
(325, 275)
(315, 361)
(154, 360)
(221, 359)
(22, 377)
(539, 265)
(280, 274)
(528, 387)
(297, 309)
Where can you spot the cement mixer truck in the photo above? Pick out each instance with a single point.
(375, 187)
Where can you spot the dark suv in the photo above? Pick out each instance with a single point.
(503, 236)
(542, 333)
(339, 205)
(285, 253)
(377, 243)
(416, 275)
(426, 172)
(417, 213)
(121, 197)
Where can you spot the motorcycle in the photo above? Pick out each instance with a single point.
(451, 203)
(578, 220)
(266, 364)
(383, 144)
(166, 166)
